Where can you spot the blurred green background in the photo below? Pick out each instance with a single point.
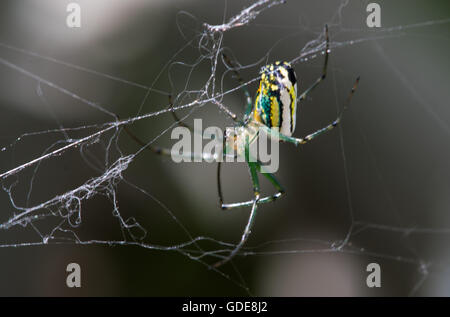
(392, 151)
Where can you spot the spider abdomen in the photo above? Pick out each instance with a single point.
(276, 99)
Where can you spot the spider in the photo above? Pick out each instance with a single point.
(274, 112)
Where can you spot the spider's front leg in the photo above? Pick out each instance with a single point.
(324, 69)
(231, 65)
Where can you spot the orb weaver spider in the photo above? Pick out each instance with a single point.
(274, 112)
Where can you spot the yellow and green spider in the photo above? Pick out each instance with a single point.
(274, 112)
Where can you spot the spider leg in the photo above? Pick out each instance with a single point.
(251, 220)
(280, 191)
(230, 64)
(191, 156)
(324, 70)
(154, 149)
(244, 236)
(175, 117)
(254, 168)
(309, 137)
(164, 151)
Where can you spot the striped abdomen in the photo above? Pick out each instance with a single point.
(276, 98)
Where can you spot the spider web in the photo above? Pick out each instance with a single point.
(368, 192)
